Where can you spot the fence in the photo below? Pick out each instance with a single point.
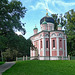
(22, 58)
(72, 58)
(45, 58)
(41, 58)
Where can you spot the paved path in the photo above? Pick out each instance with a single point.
(6, 66)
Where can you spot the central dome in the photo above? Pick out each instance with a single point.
(47, 19)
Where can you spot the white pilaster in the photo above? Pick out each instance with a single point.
(57, 46)
(50, 47)
(43, 43)
(39, 46)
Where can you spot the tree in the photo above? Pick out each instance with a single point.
(29, 44)
(10, 55)
(70, 31)
(10, 14)
(57, 20)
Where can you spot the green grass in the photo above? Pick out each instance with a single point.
(37, 67)
(1, 63)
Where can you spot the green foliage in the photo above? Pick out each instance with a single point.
(42, 68)
(10, 15)
(57, 20)
(3, 42)
(1, 63)
(70, 31)
(10, 54)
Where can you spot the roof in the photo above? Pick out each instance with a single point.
(44, 22)
(35, 28)
(59, 25)
(47, 19)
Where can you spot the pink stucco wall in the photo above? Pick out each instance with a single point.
(47, 53)
(60, 53)
(41, 53)
(54, 53)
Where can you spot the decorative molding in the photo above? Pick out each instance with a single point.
(60, 34)
(53, 34)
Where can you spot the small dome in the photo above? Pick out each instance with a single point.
(59, 25)
(44, 22)
(35, 28)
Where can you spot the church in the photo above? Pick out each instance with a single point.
(49, 44)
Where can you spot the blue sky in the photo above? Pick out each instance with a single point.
(36, 9)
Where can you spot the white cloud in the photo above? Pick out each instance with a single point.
(64, 3)
(38, 5)
(44, 4)
(18, 33)
(41, 5)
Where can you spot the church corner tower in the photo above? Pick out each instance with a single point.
(35, 30)
(59, 27)
(48, 43)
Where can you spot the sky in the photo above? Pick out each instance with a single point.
(36, 9)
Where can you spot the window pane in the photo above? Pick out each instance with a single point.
(46, 44)
(53, 43)
(41, 44)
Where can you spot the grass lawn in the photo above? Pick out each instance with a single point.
(37, 67)
(1, 63)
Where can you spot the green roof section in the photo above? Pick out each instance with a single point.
(59, 25)
(44, 22)
(35, 28)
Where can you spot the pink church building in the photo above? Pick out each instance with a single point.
(49, 43)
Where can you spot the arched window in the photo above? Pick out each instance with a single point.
(60, 43)
(41, 44)
(53, 43)
(60, 34)
(46, 44)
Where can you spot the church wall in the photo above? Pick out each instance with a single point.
(47, 53)
(41, 52)
(60, 53)
(54, 53)
(50, 26)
